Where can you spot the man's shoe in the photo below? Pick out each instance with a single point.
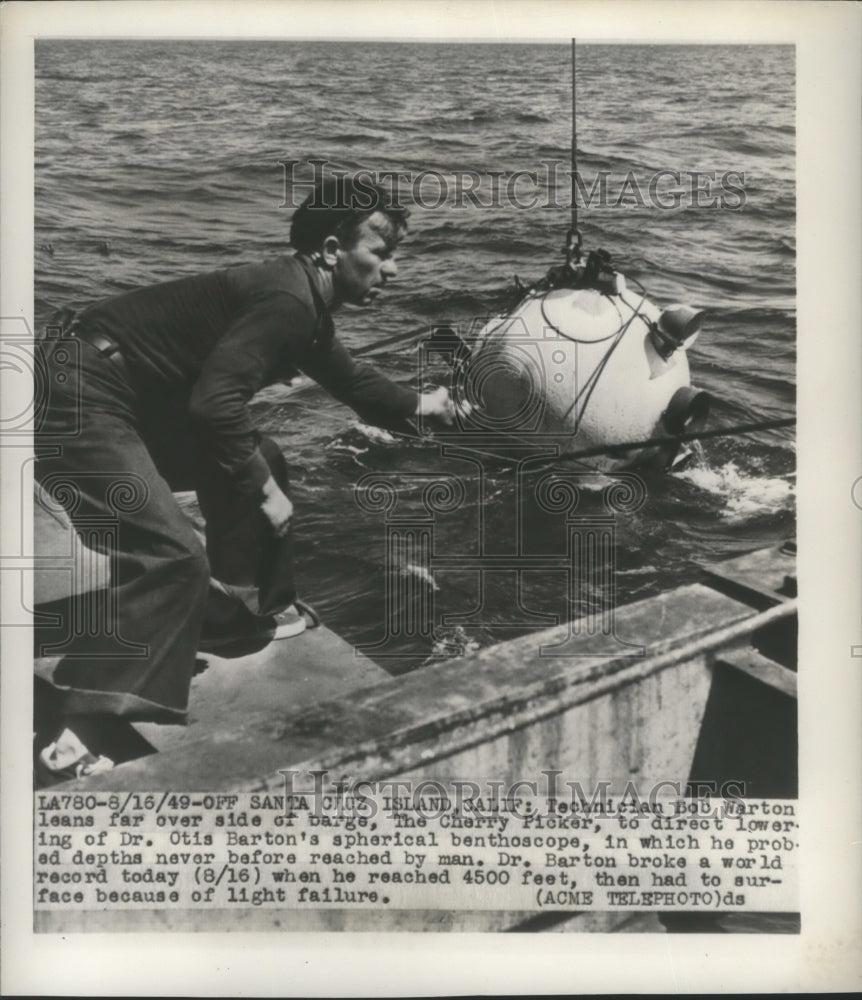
(285, 624)
(50, 770)
(312, 618)
(288, 623)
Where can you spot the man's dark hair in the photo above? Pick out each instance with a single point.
(337, 207)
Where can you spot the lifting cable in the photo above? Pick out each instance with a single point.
(575, 237)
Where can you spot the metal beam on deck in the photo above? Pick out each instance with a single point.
(761, 668)
(440, 710)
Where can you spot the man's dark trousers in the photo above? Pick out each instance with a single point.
(109, 446)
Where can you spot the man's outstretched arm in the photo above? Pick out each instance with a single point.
(376, 399)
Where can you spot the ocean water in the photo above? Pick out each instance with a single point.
(156, 159)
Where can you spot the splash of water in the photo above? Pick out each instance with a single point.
(450, 643)
(375, 434)
(421, 573)
(745, 494)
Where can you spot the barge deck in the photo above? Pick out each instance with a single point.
(707, 694)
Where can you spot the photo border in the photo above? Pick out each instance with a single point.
(825, 955)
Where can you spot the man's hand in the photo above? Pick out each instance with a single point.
(276, 507)
(437, 404)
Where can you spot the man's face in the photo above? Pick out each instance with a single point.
(363, 269)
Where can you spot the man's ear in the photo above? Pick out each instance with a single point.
(330, 250)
